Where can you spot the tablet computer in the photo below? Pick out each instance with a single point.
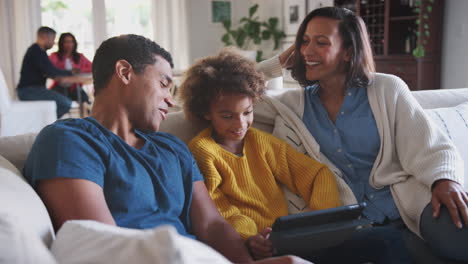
(311, 231)
(319, 217)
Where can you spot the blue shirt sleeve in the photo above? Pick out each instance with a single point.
(60, 152)
(196, 174)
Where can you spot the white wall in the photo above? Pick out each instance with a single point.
(204, 36)
(454, 45)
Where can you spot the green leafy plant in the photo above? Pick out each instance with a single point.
(423, 34)
(250, 32)
(52, 5)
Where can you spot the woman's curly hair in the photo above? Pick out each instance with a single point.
(210, 77)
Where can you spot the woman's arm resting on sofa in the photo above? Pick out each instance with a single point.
(68, 199)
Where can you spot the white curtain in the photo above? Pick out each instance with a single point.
(171, 30)
(19, 21)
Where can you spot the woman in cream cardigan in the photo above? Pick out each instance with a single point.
(369, 129)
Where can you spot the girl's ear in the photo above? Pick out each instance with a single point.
(207, 117)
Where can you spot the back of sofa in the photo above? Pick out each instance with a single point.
(177, 125)
(430, 99)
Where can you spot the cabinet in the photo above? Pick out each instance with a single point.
(393, 33)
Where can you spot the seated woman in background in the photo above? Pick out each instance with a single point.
(67, 58)
(242, 166)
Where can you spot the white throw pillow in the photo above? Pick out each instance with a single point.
(19, 245)
(18, 199)
(84, 241)
(16, 148)
(454, 122)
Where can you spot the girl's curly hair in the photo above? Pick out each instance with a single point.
(209, 77)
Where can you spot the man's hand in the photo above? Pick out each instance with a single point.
(454, 197)
(259, 245)
(283, 260)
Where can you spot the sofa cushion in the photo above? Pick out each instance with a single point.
(430, 99)
(177, 125)
(16, 148)
(454, 122)
(19, 200)
(78, 240)
(19, 245)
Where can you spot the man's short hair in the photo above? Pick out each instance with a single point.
(136, 50)
(45, 30)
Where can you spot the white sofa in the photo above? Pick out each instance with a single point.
(22, 208)
(20, 117)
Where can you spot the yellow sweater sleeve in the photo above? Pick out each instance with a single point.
(205, 155)
(243, 224)
(312, 180)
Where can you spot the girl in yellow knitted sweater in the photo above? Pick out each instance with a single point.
(243, 167)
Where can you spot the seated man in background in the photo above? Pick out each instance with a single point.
(36, 68)
(114, 167)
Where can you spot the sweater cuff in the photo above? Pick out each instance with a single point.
(453, 170)
(271, 67)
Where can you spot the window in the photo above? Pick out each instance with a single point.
(129, 16)
(76, 16)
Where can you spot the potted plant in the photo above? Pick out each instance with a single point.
(423, 12)
(250, 32)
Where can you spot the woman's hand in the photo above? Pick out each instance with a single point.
(259, 245)
(286, 57)
(454, 197)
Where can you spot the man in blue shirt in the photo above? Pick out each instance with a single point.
(36, 68)
(113, 167)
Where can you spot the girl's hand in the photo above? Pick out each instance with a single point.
(259, 245)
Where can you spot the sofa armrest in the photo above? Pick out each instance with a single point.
(27, 117)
